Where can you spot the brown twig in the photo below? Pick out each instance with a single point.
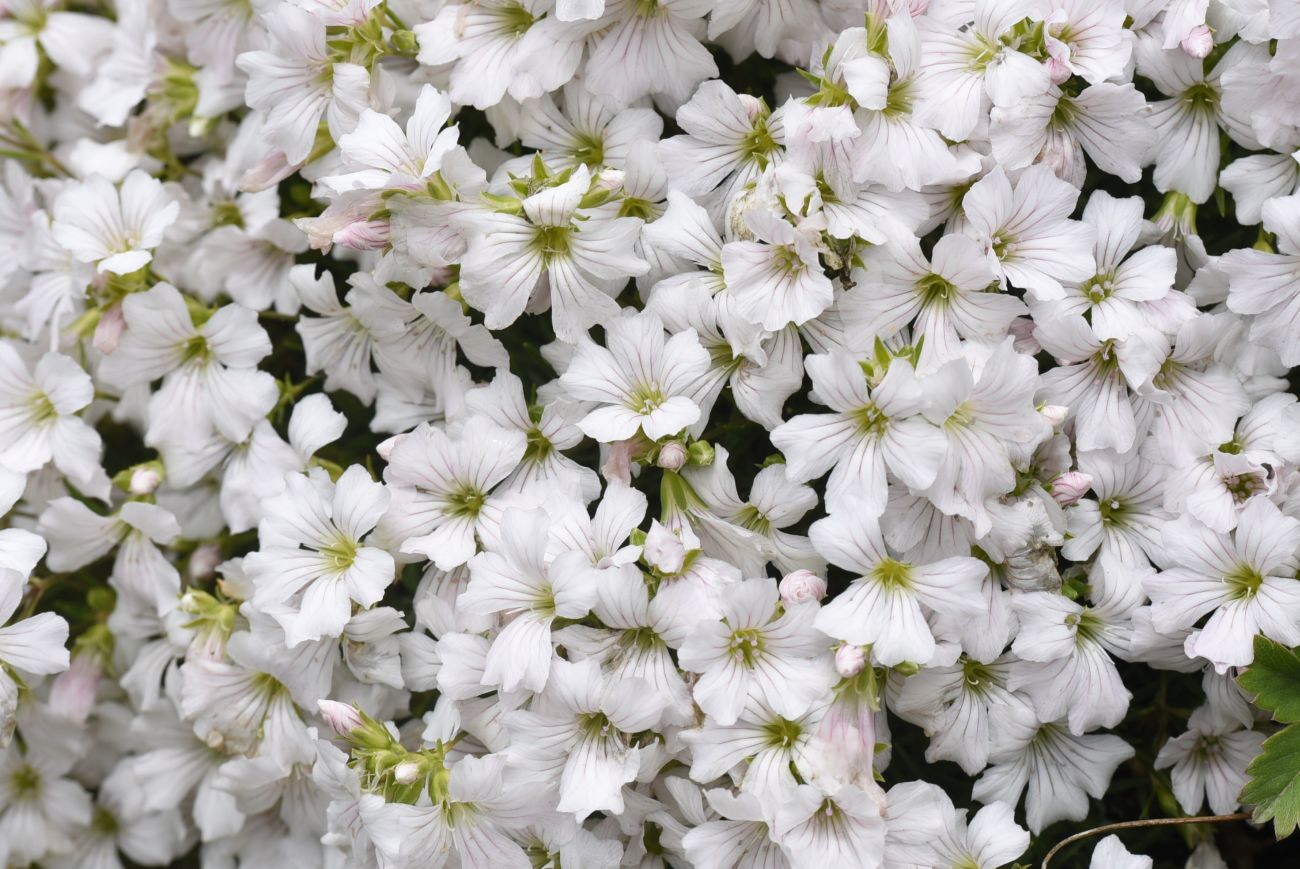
(1129, 825)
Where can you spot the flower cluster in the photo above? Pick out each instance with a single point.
(594, 433)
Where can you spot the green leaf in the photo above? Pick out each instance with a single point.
(1274, 786)
(1275, 679)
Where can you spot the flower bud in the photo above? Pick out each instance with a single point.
(611, 180)
(267, 172)
(363, 235)
(802, 586)
(1199, 43)
(1069, 487)
(407, 772)
(109, 329)
(1055, 414)
(850, 660)
(753, 106)
(1057, 70)
(663, 550)
(145, 480)
(341, 717)
(73, 693)
(672, 457)
(203, 561)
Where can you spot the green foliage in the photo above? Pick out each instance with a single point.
(1274, 786)
(1275, 680)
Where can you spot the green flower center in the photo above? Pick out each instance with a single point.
(1243, 582)
(893, 574)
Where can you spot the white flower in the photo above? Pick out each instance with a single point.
(1028, 230)
(883, 606)
(1246, 583)
(39, 422)
(500, 47)
(520, 583)
(1060, 770)
(1267, 285)
(581, 734)
(642, 381)
(753, 654)
(1110, 853)
(1065, 667)
(210, 378)
(312, 565)
(923, 828)
(875, 424)
(34, 645)
(585, 259)
(1209, 762)
(442, 488)
(944, 299)
(729, 139)
(779, 282)
(1187, 125)
(114, 228)
(839, 829)
(296, 84)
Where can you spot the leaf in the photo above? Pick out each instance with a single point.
(1274, 786)
(1275, 679)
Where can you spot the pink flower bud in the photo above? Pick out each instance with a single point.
(617, 466)
(1068, 488)
(611, 180)
(72, 695)
(802, 586)
(1199, 43)
(108, 332)
(1055, 414)
(751, 104)
(850, 660)
(363, 235)
(672, 457)
(145, 481)
(341, 717)
(663, 550)
(268, 172)
(1058, 70)
(917, 8)
(203, 561)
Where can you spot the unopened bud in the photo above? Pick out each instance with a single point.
(802, 586)
(406, 772)
(753, 106)
(364, 235)
(850, 660)
(1199, 43)
(341, 717)
(672, 457)
(1055, 414)
(109, 329)
(145, 480)
(611, 180)
(1069, 487)
(1058, 70)
(203, 561)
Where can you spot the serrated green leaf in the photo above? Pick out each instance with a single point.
(1275, 680)
(1274, 786)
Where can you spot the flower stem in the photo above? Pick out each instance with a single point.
(1130, 825)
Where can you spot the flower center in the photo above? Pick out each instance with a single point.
(1243, 582)
(747, 645)
(893, 574)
